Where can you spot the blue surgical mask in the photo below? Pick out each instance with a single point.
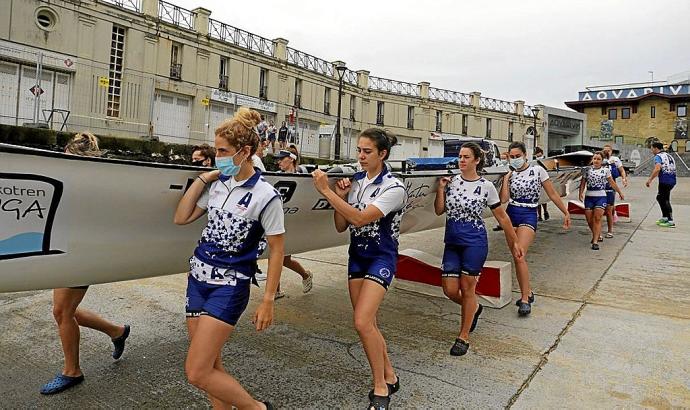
(227, 166)
(517, 163)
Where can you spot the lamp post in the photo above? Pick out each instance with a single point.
(535, 112)
(340, 68)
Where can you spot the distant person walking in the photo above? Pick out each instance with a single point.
(594, 181)
(617, 170)
(665, 169)
(542, 210)
(66, 311)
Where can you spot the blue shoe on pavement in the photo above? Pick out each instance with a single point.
(119, 343)
(61, 383)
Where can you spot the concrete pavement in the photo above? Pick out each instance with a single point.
(609, 329)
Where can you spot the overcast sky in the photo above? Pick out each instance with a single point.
(539, 51)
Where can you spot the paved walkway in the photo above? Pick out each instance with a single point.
(609, 329)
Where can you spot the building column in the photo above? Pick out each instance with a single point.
(474, 99)
(423, 89)
(520, 109)
(280, 49)
(201, 21)
(150, 8)
(363, 79)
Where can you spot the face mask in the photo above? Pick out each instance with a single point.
(199, 163)
(517, 163)
(227, 166)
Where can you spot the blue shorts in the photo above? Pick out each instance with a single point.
(610, 197)
(592, 202)
(459, 259)
(223, 302)
(378, 270)
(522, 216)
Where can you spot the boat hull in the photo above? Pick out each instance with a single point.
(73, 221)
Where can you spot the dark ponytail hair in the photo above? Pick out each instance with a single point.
(382, 139)
(478, 153)
(517, 144)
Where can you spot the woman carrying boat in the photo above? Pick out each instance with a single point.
(288, 161)
(521, 188)
(242, 207)
(66, 311)
(594, 180)
(371, 206)
(464, 198)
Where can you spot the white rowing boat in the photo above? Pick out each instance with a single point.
(68, 221)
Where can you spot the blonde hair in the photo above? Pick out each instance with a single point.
(240, 130)
(84, 144)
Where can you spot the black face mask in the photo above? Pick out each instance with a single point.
(199, 163)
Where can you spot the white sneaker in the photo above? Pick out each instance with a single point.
(279, 294)
(307, 283)
(260, 276)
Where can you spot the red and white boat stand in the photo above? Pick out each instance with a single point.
(576, 207)
(494, 287)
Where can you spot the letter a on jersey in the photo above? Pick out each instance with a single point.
(244, 202)
(478, 191)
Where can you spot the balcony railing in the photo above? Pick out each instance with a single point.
(439, 127)
(223, 82)
(350, 77)
(410, 124)
(309, 62)
(497, 105)
(263, 92)
(176, 71)
(176, 15)
(456, 97)
(327, 108)
(379, 119)
(393, 86)
(298, 101)
(133, 5)
(240, 38)
(527, 112)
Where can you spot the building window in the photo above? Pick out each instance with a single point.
(652, 112)
(410, 117)
(613, 113)
(464, 124)
(379, 113)
(176, 61)
(682, 110)
(327, 101)
(263, 84)
(223, 74)
(298, 93)
(353, 103)
(603, 110)
(625, 113)
(439, 120)
(488, 128)
(510, 131)
(117, 52)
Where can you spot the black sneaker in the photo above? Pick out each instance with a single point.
(392, 388)
(524, 309)
(530, 299)
(119, 343)
(379, 403)
(476, 317)
(460, 347)
(595, 246)
(546, 215)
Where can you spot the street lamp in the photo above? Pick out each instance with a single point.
(341, 75)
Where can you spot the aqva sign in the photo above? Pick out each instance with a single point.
(624, 93)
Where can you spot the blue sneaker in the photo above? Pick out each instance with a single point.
(119, 343)
(61, 383)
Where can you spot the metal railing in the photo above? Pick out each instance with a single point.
(241, 38)
(393, 86)
(379, 119)
(176, 71)
(133, 5)
(497, 105)
(456, 97)
(350, 77)
(309, 62)
(176, 15)
(223, 82)
(263, 92)
(527, 112)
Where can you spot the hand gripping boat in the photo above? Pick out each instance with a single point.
(67, 220)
